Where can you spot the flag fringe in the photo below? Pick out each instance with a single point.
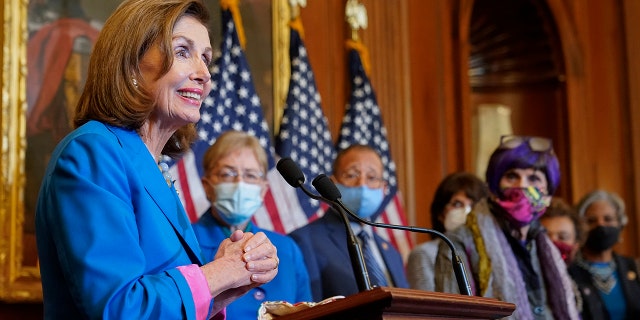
(296, 24)
(232, 5)
(364, 54)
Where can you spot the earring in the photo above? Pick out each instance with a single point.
(135, 82)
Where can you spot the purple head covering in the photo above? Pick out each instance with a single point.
(522, 152)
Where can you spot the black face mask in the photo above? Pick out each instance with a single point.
(602, 238)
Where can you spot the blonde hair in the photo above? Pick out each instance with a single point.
(111, 94)
(230, 141)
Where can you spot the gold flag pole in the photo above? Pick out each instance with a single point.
(295, 7)
(284, 13)
(356, 16)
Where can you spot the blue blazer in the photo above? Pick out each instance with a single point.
(324, 246)
(291, 284)
(111, 232)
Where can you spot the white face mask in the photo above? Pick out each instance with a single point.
(455, 218)
(237, 202)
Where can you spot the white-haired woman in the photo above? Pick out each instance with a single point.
(608, 282)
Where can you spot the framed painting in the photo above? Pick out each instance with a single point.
(45, 51)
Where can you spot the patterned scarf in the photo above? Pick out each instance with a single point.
(497, 263)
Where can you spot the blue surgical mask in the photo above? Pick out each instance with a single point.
(236, 202)
(362, 200)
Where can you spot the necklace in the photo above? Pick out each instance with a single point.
(602, 274)
(164, 167)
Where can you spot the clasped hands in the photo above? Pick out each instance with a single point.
(243, 261)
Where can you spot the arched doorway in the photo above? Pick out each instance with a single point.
(516, 62)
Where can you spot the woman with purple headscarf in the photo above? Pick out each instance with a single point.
(507, 254)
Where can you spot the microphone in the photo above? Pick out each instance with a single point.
(291, 173)
(328, 190)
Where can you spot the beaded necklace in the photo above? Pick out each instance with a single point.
(164, 167)
(602, 274)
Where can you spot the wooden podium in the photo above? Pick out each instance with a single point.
(396, 303)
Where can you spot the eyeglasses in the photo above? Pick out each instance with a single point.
(537, 144)
(352, 178)
(456, 204)
(231, 175)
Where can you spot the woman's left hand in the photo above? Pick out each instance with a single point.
(261, 260)
(260, 256)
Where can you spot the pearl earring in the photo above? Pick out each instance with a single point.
(135, 82)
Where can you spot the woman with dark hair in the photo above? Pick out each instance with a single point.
(607, 281)
(563, 227)
(452, 202)
(114, 241)
(505, 250)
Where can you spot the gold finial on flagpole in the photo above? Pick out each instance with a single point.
(356, 15)
(295, 7)
(295, 22)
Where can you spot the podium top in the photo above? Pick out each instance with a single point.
(397, 303)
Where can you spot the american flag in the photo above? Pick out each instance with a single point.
(362, 124)
(232, 105)
(304, 134)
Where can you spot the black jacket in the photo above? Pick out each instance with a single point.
(593, 307)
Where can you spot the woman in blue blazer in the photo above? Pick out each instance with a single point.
(234, 181)
(113, 239)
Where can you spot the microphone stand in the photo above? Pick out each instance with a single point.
(355, 251)
(324, 182)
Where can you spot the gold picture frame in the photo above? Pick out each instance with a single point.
(19, 280)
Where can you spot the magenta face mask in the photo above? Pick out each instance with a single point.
(565, 251)
(523, 205)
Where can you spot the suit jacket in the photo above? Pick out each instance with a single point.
(421, 265)
(291, 284)
(111, 232)
(593, 306)
(324, 246)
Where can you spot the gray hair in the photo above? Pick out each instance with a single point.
(610, 197)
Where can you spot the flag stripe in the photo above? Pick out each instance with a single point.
(394, 214)
(287, 199)
(273, 220)
(186, 193)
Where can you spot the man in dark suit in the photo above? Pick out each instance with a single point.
(357, 172)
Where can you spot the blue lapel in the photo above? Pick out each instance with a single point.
(394, 266)
(391, 257)
(336, 231)
(156, 186)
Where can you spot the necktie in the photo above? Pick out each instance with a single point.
(376, 276)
